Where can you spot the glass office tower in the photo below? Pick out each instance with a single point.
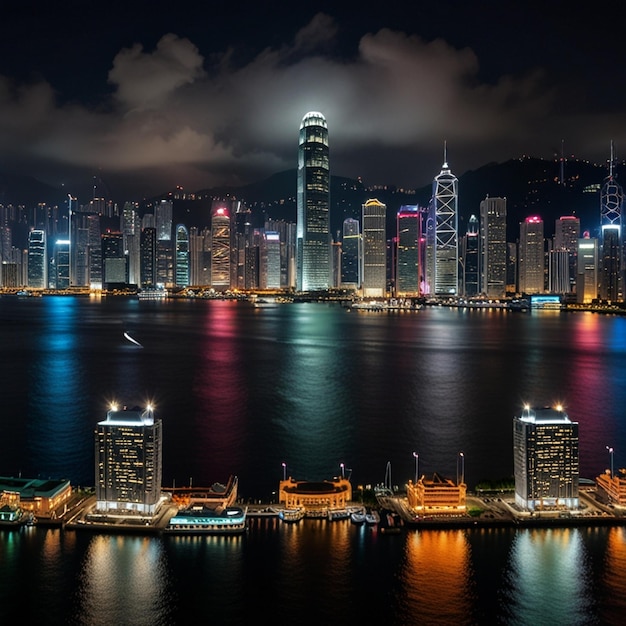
(313, 213)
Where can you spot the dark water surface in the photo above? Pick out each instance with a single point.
(241, 390)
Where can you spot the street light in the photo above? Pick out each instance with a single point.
(611, 455)
(462, 456)
(417, 457)
(341, 465)
(284, 471)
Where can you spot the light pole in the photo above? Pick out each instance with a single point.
(417, 457)
(462, 457)
(342, 466)
(611, 456)
(284, 471)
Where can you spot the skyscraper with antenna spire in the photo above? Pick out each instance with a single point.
(445, 199)
(611, 203)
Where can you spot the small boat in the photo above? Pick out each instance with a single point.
(131, 339)
(372, 518)
(337, 514)
(291, 515)
(357, 517)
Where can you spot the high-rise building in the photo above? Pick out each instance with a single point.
(445, 198)
(62, 264)
(545, 451)
(37, 260)
(163, 214)
(128, 461)
(374, 272)
(587, 274)
(566, 236)
(148, 275)
(531, 259)
(351, 245)
(313, 212)
(114, 261)
(471, 258)
(220, 248)
(272, 255)
(182, 256)
(493, 248)
(408, 267)
(558, 271)
(611, 206)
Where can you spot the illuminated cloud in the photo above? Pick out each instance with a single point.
(176, 117)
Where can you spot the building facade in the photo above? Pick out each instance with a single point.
(408, 266)
(545, 453)
(531, 256)
(128, 452)
(493, 248)
(374, 272)
(313, 205)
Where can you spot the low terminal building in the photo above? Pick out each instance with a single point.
(42, 498)
(315, 496)
(436, 496)
(612, 489)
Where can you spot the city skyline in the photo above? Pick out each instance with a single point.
(205, 97)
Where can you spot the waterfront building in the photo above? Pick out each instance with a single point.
(558, 271)
(147, 260)
(351, 252)
(272, 260)
(531, 260)
(611, 488)
(313, 205)
(182, 256)
(471, 258)
(408, 267)
(611, 205)
(128, 461)
(374, 272)
(587, 273)
(37, 260)
(163, 216)
(199, 256)
(41, 497)
(445, 199)
(315, 497)
(545, 454)
(220, 247)
(62, 264)
(511, 268)
(493, 247)
(566, 236)
(436, 495)
(114, 261)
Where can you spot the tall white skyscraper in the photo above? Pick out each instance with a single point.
(445, 198)
(374, 273)
(587, 274)
(37, 259)
(313, 214)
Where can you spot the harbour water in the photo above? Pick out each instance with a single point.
(243, 390)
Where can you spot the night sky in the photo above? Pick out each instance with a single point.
(150, 95)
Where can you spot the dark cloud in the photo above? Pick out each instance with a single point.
(390, 104)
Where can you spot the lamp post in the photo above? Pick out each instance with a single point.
(462, 457)
(417, 457)
(611, 456)
(284, 471)
(342, 466)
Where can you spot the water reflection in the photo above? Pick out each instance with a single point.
(547, 583)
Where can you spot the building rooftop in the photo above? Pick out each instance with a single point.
(544, 415)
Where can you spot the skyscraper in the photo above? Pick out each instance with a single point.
(566, 235)
(611, 204)
(471, 265)
(182, 256)
(374, 273)
(128, 461)
(545, 453)
(445, 197)
(531, 260)
(409, 233)
(37, 260)
(220, 248)
(351, 254)
(587, 274)
(313, 214)
(493, 249)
